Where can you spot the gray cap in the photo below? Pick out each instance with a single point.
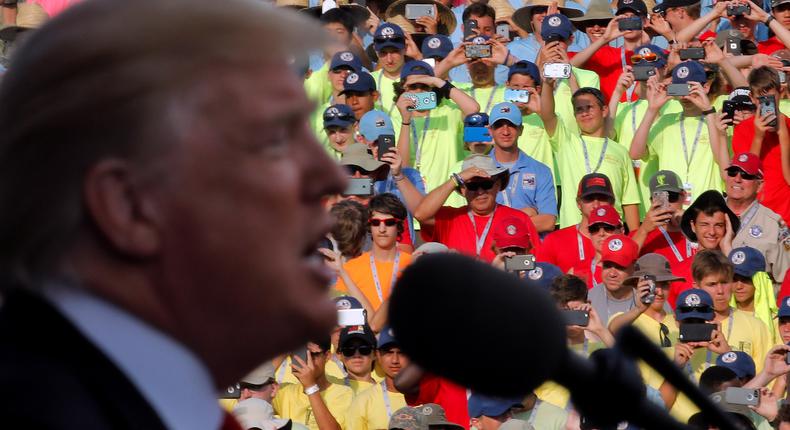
(408, 418)
(436, 417)
(257, 413)
(514, 424)
(432, 248)
(484, 163)
(261, 375)
(665, 180)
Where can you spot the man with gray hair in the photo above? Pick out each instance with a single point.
(160, 206)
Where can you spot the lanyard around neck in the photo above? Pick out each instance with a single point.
(375, 273)
(480, 240)
(587, 155)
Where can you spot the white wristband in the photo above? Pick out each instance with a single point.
(312, 389)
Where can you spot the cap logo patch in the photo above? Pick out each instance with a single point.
(434, 43)
(693, 300)
(343, 304)
(380, 123)
(740, 92)
(475, 118)
(600, 212)
(615, 245)
(755, 231)
(504, 109)
(743, 158)
(738, 258)
(628, 1)
(787, 302)
(347, 56)
(535, 274)
(729, 357)
(683, 72)
(555, 21)
(661, 179)
(352, 79)
(333, 111)
(387, 31)
(478, 40)
(511, 230)
(391, 333)
(427, 410)
(357, 329)
(645, 51)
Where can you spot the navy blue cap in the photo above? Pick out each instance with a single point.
(556, 26)
(525, 67)
(339, 116)
(477, 119)
(489, 406)
(747, 261)
(389, 35)
(689, 71)
(347, 302)
(694, 303)
(361, 82)
(784, 308)
(437, 46)
(661, 61)
(636, 6)
(739, 362)
(346, 59)
(543, 275)
(415, 67)
(386, 337)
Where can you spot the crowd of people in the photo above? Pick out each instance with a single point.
(630, 158)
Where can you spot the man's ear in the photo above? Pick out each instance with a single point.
(375, 96)
(120, 210)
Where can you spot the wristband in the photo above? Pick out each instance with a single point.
(709, 111)
(459, 182)
(768, 21)
(398, 178)
(406, 123)
(446, 88)
(311, 390)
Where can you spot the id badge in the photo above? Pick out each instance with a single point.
(689, 197)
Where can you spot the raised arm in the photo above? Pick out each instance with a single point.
(623, 83)
(434, 201)
(699, 25)
(656, 98)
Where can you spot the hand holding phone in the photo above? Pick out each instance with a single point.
(579, 318)
(384, 144)
(692, 54)
(696, 332)
(650, 297)
(768, 107)
(518, 263)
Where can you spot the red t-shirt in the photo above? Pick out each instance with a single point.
(776, 193)
(657, 243)
(607, 62)
(582, 270)
(561, 248)
(769, 46)
(706, 35)
(453, 228)
(443, 392)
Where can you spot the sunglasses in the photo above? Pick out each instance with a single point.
(340, 70)
(389, 222)
(704, 309)
(745, 176)
(673, 197)
(349, 351)
(596, 197)
(479, 185)
(340, 116)
(649, 57)
(663, 334)
(595, 228)
(389, 38)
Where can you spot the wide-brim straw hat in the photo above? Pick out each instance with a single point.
(598, 10)
(522, 15)
(446, 17)
(295, 4)
(29, 16)
(359, 14)
(502, 9)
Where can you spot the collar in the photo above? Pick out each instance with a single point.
(521, 163)
(167, 374)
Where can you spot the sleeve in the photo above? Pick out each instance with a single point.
(655, 138)
(414, 176)
(630, 191)
(742, 136)
(546, 199)
(547, 253)
(560, 135)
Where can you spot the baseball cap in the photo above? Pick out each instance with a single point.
(784, 308)
(661, 56)
(742, 96)
(666, 4)
(436, 417)
(345, 59)
(665, 180)
(605, 214)
(507, 111)
(480, 404)
(361, 332)
(775, 3)
(739, 362)
(694, 303)
(389, 35)
(415, 67)
(747, 261)
(556, 27)
(636, 6)
(437, 46)
(361, 82)
(747, 162)
(375, 123)
(689, 71)
(260, 376)
(543, 275)
(408, 418)
(431, 248)
(484, 163)
(386, 337)
(653, 264)
(477, 119)
(511, 232)
(347, 302)
(619, 249)
(339, 115)
(595, 183)
(525, 67)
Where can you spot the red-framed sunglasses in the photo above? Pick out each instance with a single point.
(389, 222)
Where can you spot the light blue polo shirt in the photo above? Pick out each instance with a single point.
(531, 185)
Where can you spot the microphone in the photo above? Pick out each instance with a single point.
(445, 303)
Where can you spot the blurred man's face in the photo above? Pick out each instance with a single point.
(358, 364)
(740, 188)
(481, 194)
(361, 102)
(337, 77)
(391, 59)
(340, 137)
(480, 72)
(782, 14)
(505, 134)
(614, 275)
(784, 329)
(709, 229)
(338, 33)
(392, 360)
(719, 288)
(589, 203)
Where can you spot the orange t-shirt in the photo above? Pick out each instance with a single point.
(359, 270)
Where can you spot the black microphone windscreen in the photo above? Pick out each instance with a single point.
(479, 326)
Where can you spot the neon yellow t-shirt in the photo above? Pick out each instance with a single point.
(563, 106)
(440, 146)
(485, 97)
(626, 122)
(386, 101)
(555, 394)
(368, 411)
(614, 163)
(547, 416)
(748, 334)
(784, 106)
(665, 143)
(534, 141)
(317, 86)
(292, 403)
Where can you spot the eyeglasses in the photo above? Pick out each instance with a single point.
(389, 222)
(479, 185)
(595, 228)
(349, 351)
(663, 335)
(649, 57)
(745, 176)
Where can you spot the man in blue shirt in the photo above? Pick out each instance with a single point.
(531, 186)
(530, 18)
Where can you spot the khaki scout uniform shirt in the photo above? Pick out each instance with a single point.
(763, 229)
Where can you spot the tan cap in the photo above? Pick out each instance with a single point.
(446, 18)
(484, 163)
(523, 16)
(502, 9)
(263, 374)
